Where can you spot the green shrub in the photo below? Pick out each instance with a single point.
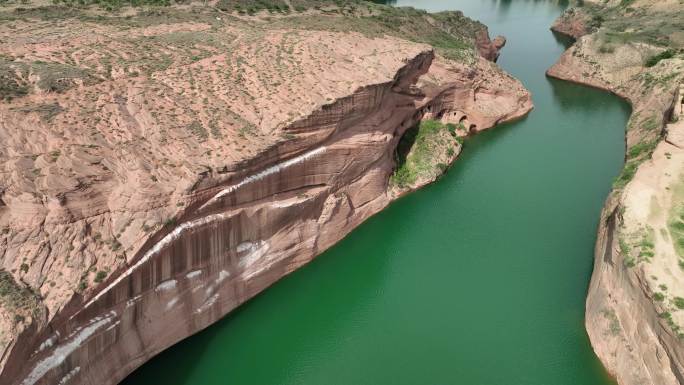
(678, 302)
(15, 296)
(100, 276)
(676, 227)
(417, 150)
(597, 21)
(653, 60)
(626, 175)
(606, 49)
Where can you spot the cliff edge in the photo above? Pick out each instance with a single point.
(635, 304)
(164, 164)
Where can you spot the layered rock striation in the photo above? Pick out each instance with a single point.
(160, 170)
(634, 314)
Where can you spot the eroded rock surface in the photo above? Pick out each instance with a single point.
(634, 307)
(161, 169)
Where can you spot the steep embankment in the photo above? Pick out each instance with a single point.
(163, 167)
(634, 311)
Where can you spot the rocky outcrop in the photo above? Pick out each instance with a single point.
(573, 23)
(217, 166)
(489, 49)
(633, 311)
(633, 316)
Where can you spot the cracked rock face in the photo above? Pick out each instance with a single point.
(190, 165)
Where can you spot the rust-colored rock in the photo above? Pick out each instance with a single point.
(489, 49)
(573, 23)
(175, 167)
(632, 318)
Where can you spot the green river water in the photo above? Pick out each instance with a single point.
(479, 279)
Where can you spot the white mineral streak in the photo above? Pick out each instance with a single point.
(266, 261)
(175, 234)
(256, 251)
(244, 246)
(69, 375)
(196, 288)
(47, 343)
(193, 274)
(171, 303)
(289, 202)
(207, 304)
(222, 276)
(63, 351)
(269, 171)
(132, 301)
(166, 285)
(113, 326)
(170, 237)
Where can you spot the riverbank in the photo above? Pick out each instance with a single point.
(634, 315)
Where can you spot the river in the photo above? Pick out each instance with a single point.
(479, 279)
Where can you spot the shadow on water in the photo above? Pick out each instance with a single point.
(503, 7)
(572, 97)
(564, 40)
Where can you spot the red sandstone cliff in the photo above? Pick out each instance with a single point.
(633, 310)
(146, 197)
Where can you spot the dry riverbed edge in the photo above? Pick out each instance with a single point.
(633, 311)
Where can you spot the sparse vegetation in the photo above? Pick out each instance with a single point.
(676, 228)
(419, 150)
(115, 245)
(653, 60)
(636, 155)
(47, 112)
(58, 77)
(111, 5)
(252, 7)
(645, 147)
(613, 322)
(626, 174)
(16, 297)
(100, 276)
(197, 129)
(450, 32)
(11, 85)
(637, 247)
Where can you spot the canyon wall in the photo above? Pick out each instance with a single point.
(209, 176)
(633, 309)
